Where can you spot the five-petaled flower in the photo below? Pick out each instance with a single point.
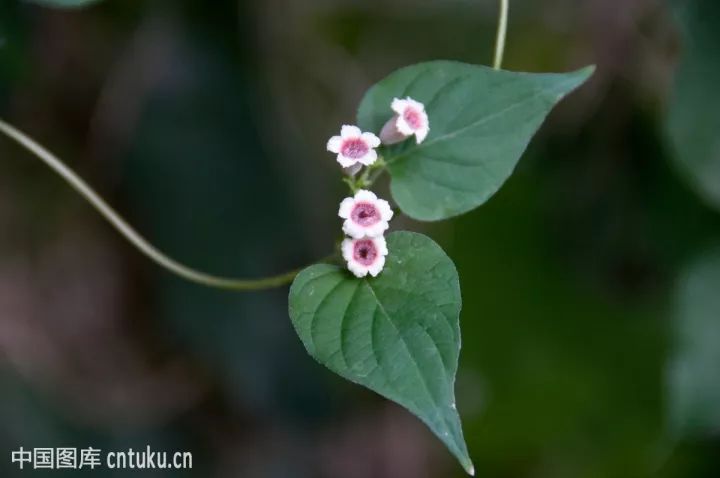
(353, 147)
(365, 215)
(365, 255)
(410, 119)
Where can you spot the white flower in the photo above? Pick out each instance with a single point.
(410, 119)
(353, 147)
(365, 215)
(365, 255)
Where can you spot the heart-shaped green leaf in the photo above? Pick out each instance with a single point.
(693, 121)
(397, 334)
(481, 121)
(693, 385)
(64, 3)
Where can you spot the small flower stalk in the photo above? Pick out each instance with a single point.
(410, 120)
(367, 217)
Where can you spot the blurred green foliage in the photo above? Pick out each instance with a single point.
(64, 3)
(693, 385)
(694, 113)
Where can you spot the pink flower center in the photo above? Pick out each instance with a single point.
(354, 148)
(365, 252)
(365, 214)
(413, 117)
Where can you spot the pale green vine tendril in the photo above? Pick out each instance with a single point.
(133, 236)
(501, 34)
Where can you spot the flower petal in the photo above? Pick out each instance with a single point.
(334, 144)
(357, 269)
(345, 162)
(371, 140)
(354, 230)
(346, 207)
(421, 134)
(365, 195)
(369, 158)
(347, 249)
(376, 267)
(349, 131)
(398, 105)
(414, 104)
(377, 229)
(403, 127)
(381, 245)
(386, 212)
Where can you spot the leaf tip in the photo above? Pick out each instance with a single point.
(572, 81)
(587, 71)
(580, 77)
(469, 468)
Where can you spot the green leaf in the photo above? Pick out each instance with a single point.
(397, 334)
(694, 388)
(64, 3)
(693, 120)
(481, 121)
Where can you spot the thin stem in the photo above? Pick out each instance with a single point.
(375, 175)
(133, 236)
(501, 34)
(368, 176)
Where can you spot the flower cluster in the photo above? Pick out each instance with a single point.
(366, 219)
(366, 216)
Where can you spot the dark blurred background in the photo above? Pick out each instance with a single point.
(591, 341)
